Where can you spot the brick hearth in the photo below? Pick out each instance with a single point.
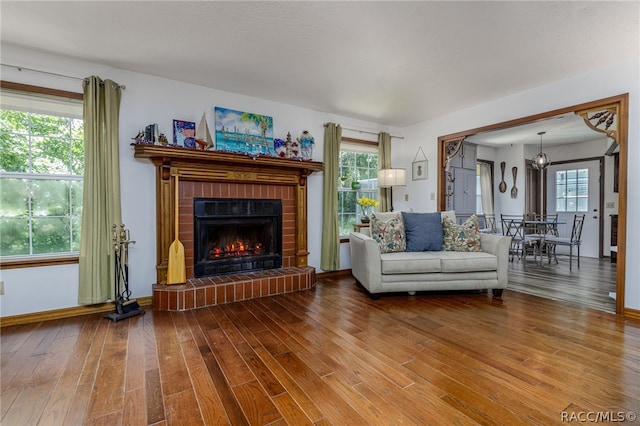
(221, 289)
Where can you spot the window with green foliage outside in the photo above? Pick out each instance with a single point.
(41, 173)
(358, 164)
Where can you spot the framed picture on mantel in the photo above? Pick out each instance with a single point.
(184, 134)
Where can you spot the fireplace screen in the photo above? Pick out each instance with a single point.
(237, 235)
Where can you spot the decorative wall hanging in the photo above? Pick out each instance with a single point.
(245, 132)
(419, 168)
(503, 185)
(184, 133)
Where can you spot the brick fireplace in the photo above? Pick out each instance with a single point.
(220, 175)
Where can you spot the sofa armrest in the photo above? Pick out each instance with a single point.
(366, 264)
(498, 245)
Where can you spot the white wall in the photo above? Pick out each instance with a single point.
(609, 81)
(148, 99)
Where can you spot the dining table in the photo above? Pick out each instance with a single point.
(541, 228)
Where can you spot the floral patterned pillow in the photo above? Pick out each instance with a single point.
(388, 231)
(465, 237)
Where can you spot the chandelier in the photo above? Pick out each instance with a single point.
(541, 161)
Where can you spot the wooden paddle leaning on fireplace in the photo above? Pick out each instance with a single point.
(176, 270)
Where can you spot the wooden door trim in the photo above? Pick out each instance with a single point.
(621, 102)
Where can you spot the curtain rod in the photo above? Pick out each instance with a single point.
(365, 131)
(122, 86)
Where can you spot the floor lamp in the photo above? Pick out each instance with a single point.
(388, 178)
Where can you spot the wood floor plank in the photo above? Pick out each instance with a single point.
(332, 355)
(365, 408)
(334, 408)
(256, 405)
(295, 390)
(62, 396)
(135, 366)
(230, 404)
(106, 395)
(30, 403)
(154, 402)
(213, 412)
(182, 409)
(233, 366)
(134, 411)
(173, 370)
(291, 412)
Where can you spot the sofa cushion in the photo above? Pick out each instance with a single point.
(423, 230)
(465, 237)
(388, 231)
(451, 214)
(411, 262)
(451, 261)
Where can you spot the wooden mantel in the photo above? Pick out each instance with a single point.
(226, 167)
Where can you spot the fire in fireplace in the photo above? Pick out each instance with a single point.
(236, 235)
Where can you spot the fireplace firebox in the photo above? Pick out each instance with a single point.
(236, 235)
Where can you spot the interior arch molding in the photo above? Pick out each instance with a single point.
(609, 116)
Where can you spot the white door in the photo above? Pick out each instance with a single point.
(574, 188)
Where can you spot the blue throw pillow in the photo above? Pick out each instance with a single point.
(423, 231)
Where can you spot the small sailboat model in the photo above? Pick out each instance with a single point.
(203, 137)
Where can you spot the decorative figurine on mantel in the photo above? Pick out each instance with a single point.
(306, 142)
(163, 139)
(288, 145)
(280, 147)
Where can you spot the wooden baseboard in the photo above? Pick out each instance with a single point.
(66, 312)
(632, 313)
(334, 274)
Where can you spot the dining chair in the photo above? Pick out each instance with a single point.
(513, 226)
(489, 224)
(574, 241)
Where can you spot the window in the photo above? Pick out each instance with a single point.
(41, 174)
(478, 192)
(358, 164)
(572, 190)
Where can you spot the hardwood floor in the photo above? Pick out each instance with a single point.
(329, 355)
(588, 286)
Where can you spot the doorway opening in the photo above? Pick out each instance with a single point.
(616, 109)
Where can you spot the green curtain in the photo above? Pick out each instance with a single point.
(330, 255)
(384, 162)
(101, 193)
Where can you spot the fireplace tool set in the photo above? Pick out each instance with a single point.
(125, 307)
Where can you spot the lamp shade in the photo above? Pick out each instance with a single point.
(392, 177)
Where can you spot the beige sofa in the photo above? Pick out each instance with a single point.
(430, 270)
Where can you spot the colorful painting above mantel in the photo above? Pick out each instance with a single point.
(245, 132)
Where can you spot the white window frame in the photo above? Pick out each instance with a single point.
(368, 188)
(566, 198)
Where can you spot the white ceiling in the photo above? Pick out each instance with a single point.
(559, 130)
(394, 63)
